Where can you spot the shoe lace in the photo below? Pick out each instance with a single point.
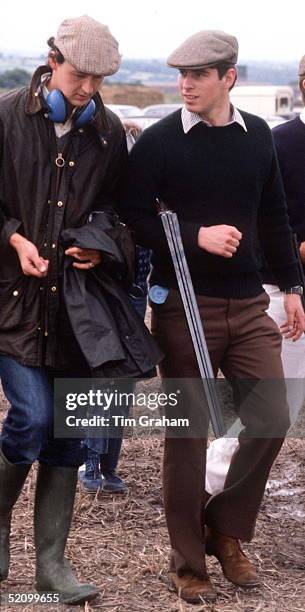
(92, 469)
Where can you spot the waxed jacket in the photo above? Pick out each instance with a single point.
(38, 199)
(111, 334)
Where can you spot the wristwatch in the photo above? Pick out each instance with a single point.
(297, 289)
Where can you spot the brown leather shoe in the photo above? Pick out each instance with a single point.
(192, 589)
(235, 565)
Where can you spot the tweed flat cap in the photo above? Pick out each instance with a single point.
(302, 66)
(88, 45)
(205, 48)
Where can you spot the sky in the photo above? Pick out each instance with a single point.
(266, 29)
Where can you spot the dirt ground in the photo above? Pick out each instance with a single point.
(120, 542)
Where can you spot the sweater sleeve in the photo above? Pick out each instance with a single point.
(143, 184)
(274, 229)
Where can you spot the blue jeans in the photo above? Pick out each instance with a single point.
(27, 432)
(107, 458)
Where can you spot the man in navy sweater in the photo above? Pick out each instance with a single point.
(289, 140)
(216, 167)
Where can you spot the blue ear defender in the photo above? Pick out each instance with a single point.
(57, 106)
(58, 109)
(84, 114)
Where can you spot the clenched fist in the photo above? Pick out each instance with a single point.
(220, 240)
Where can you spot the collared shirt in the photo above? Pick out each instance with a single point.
(190, 119)
(302, 115)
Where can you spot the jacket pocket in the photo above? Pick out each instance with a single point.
(11, 302)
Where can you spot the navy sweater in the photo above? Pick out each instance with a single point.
(211, 176)
(289, 141)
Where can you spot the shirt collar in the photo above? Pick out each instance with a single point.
(302, 115)
(190, 119)
(44, 80)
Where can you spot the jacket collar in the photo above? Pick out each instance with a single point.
(35, 101)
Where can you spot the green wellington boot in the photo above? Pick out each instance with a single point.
(12, 478)
(55, 492)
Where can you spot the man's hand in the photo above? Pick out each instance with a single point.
(294, 327)
(89, 257)
(302, 251)
(31, 262)
(219, 239)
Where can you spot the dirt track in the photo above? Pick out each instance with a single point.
(121, 542)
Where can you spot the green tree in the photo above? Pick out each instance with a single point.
(14, 78)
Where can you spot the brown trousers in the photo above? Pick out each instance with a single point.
(245, 343)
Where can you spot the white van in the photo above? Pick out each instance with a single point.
(263, 100)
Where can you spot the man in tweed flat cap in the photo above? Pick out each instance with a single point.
(205, 49)
(62, 155)
(216, 168)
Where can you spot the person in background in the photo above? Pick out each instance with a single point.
(289, 139)
(104, 453)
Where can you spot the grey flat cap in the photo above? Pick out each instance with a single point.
(88, 45)
(203, 49)
(302, 66)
